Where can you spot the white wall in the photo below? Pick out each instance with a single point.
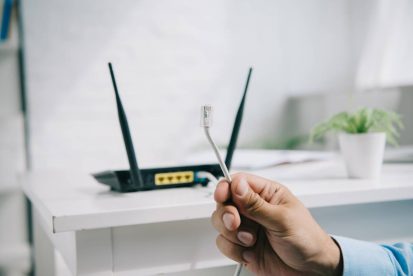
(170, 57)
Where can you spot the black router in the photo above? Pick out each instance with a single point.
(136, 179)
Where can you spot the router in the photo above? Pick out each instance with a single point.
(136, 179)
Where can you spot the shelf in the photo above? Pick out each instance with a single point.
(11, 152)
(15, 258)
(7, 187)
(11, 44)
(71, 201)
(8, 46)
(190, 267)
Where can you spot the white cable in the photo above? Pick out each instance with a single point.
(206, 122)
(220, 160)
(238, 270)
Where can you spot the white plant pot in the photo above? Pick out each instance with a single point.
(363, 153)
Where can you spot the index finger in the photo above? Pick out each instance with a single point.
(269, 190)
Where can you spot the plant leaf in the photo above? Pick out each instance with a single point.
(362, 121)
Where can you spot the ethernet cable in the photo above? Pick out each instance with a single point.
(206, 123)
(207, 175)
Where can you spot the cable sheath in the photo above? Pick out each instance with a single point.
(226, 174)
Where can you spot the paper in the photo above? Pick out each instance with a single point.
(253, 159)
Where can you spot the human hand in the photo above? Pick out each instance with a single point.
(263, 225)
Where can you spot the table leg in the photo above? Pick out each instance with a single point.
(44, 259)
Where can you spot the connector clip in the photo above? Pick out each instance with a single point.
(206, 116)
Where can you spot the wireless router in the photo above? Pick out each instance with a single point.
(136, 179)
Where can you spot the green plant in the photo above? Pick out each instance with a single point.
(362, 121)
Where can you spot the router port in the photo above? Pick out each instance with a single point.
(174, 178)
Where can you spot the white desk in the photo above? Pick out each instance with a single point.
(168, 231)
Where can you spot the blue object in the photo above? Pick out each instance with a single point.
(6, 17)
(366, 258)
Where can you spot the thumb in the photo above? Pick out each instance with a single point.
(252, 205)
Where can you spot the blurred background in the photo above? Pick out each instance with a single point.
(57, 111)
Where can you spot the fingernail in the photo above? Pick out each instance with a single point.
(248, 256)
(242, 187)
(223, 180)
(228, 220)
(245, 237)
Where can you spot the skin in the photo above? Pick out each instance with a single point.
(264, 226)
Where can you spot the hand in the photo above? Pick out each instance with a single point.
(263, 225)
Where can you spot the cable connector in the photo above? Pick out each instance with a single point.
(206, 116)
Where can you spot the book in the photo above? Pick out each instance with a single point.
(5, 19)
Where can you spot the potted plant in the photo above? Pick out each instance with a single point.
(362, 138)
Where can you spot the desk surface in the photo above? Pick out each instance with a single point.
(69, 201)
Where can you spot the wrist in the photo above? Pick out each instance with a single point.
(333, 265)
(330, 260)
(337, 266)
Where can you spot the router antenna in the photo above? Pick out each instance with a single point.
(237, 124)
(135, 173)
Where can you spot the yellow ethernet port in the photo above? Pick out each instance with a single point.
(174, 178)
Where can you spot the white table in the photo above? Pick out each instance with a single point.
(98, 232)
